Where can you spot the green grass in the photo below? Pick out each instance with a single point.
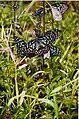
(33, 91)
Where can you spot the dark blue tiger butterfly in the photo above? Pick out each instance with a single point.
(58, 9)
(39, 46)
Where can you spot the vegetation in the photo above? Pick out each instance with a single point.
(29, 89)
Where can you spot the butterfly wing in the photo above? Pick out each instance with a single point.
(30, 49)
(50, 36)
(54, 51)
(62, 8)
(58, 10)
(21, 47)
(56, 14)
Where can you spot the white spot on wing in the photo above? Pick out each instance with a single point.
(47, 55)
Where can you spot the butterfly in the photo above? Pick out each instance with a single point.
(39, 46)
(58, 9)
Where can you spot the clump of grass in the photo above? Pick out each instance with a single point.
(31, 91)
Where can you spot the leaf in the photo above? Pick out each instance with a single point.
(47, 101)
